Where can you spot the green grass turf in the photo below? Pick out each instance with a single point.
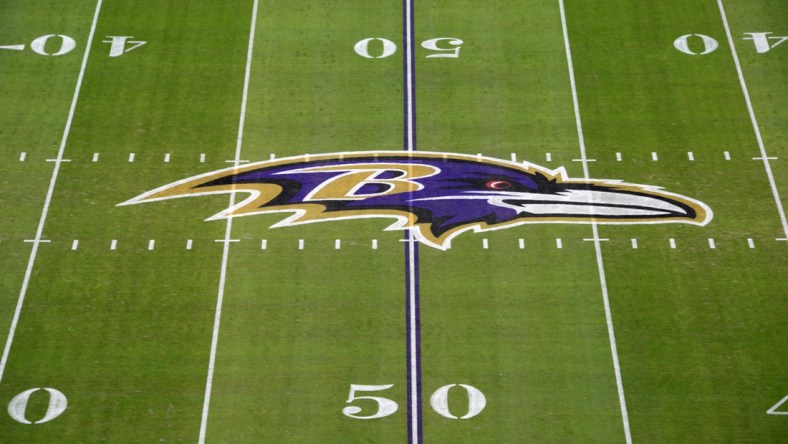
(126, 334)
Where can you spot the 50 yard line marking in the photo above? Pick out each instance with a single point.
(754, 121)
(413, 316)
(227, 235)
(50, 191)
(597, 246)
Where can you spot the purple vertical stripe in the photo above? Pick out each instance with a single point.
(412, 305)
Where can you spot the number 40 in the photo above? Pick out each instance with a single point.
(389, 47)
(439, 401)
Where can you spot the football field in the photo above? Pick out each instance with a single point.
(393, 222)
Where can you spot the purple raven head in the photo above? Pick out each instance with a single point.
(436, 195)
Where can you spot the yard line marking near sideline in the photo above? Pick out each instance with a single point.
(227, 235)
(597, 246)
(50, 192)
(412, 311)
(754, 121)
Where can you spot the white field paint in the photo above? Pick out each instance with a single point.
(712, 244)
(50, 191)
(440, 401)
(690, 156)
(559, 243)
(113, 245)
(227, 234)
(618, 157)
(337, 244)
(188, 244)
(773, 410)
(374, 244)
(411, 248)
(264, 244)
(597, 245)
(514, 157)
(18, 405)
(300, 244)
(22, 156)
(521, 243)
(167, 158)
(672, 243)
(202, 158)
(151, 244)
(727, 155)
(750, 243)
(95, 157)
(131, 157)
(74, 245)
(548, 157)
(634, 244)
(485, 244)
(754, 121)
(654, 156)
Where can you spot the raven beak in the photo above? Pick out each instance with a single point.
(607, 205)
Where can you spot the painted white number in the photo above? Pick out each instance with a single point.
(386, 406)
(709, 44)
(764, 41)
(362, 48)
(389, 48)
(432, 45)
(440, 401)
(18, 406)
(67, 44)
(120, 44)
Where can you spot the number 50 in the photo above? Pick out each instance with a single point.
(389, 47)
(439, 401)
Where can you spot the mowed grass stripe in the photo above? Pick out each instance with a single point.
(302, 320)
(38, 91)
(765, 74)
(524, 326)
(125, 335)
(764, 157)
(48, 199)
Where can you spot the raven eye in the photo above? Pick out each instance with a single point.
(498, 185)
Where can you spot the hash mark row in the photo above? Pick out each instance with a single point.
(132, 157)
(485, 243)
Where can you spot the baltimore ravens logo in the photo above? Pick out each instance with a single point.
(435, 195)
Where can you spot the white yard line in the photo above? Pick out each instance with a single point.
(754, 121)
(227, 235)
(413, 365)
(597, 246)
(50, 191)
